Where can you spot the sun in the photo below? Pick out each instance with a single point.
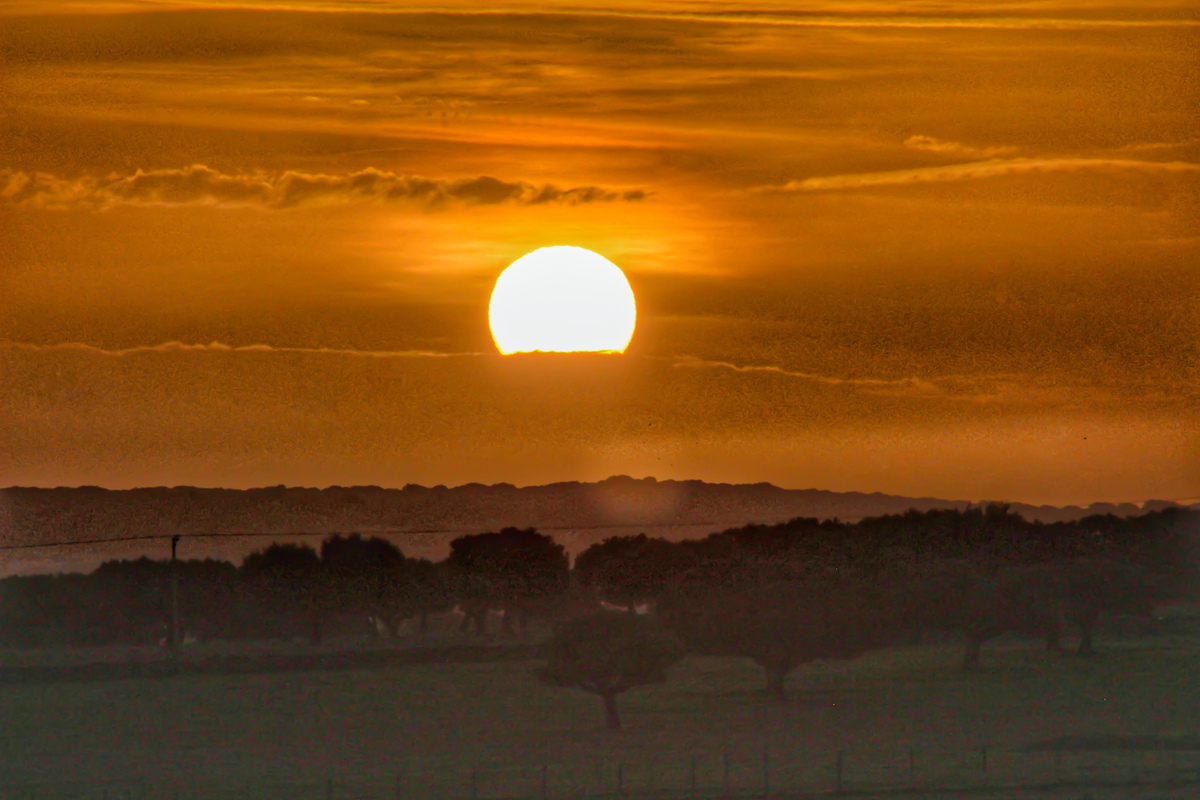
(562, 300)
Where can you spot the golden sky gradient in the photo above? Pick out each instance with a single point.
(931, 248)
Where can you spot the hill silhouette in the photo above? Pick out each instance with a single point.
(423, 520)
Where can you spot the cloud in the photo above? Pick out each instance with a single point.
(693, 362)
(806, 18)
(218, 347)
(1009, 389)
(993, 168)
(999, 15)
(932, 145)
(201, 185)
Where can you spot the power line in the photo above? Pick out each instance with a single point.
(81, 541)
(277, 534)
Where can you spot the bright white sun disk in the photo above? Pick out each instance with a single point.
(562, 299)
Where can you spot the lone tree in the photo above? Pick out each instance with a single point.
(1100, 586)
(608, 653)
(781, 626)
(1020, 599)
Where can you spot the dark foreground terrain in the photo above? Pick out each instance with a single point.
(1123, 724)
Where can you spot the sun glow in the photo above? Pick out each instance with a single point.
(562, 299)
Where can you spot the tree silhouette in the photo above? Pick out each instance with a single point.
(978, 572)
(607, 654)
(629, 570)
(1013, 599)
(1099, 586)
(1036, 599)
(136, 593)
(500, 570)
(48, 610)
(427, 588)
(209, 600)
(782, 626)
(289, 580)
(364, 577)
(965, 598)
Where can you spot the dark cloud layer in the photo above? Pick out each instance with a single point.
(199, 184)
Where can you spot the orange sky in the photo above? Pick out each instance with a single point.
(946, 249)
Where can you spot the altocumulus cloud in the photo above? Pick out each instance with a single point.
(201, 185)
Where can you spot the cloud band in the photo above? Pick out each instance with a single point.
(992, 168)
(201, 185)
(218, 347)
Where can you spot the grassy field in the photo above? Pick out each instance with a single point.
(422, 731)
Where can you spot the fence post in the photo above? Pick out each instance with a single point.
(329, 788)
(544, 782)
(474, 788)
(175, 637)
(399, 793)
(912, 769)
(726, 761)
(693, 776)
(983, 763)
(840, 764)
(620, 778)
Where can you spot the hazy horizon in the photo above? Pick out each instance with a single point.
(473, 484)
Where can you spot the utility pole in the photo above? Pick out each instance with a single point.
(174, 641)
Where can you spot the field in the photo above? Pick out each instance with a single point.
(902, 718)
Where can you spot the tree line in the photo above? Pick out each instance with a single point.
(780, 595)
(287, 590)
(807, 590)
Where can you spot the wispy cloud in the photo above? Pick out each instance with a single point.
(218, 347)
(984, 389)
(817, 15)
(916, 383)
(201, 185)
(932, 145)
(992, 168)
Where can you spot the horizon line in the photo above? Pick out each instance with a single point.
(650, 479)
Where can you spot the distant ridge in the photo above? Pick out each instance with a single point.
(577, 513)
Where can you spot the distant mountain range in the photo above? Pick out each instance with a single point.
(423, 520)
